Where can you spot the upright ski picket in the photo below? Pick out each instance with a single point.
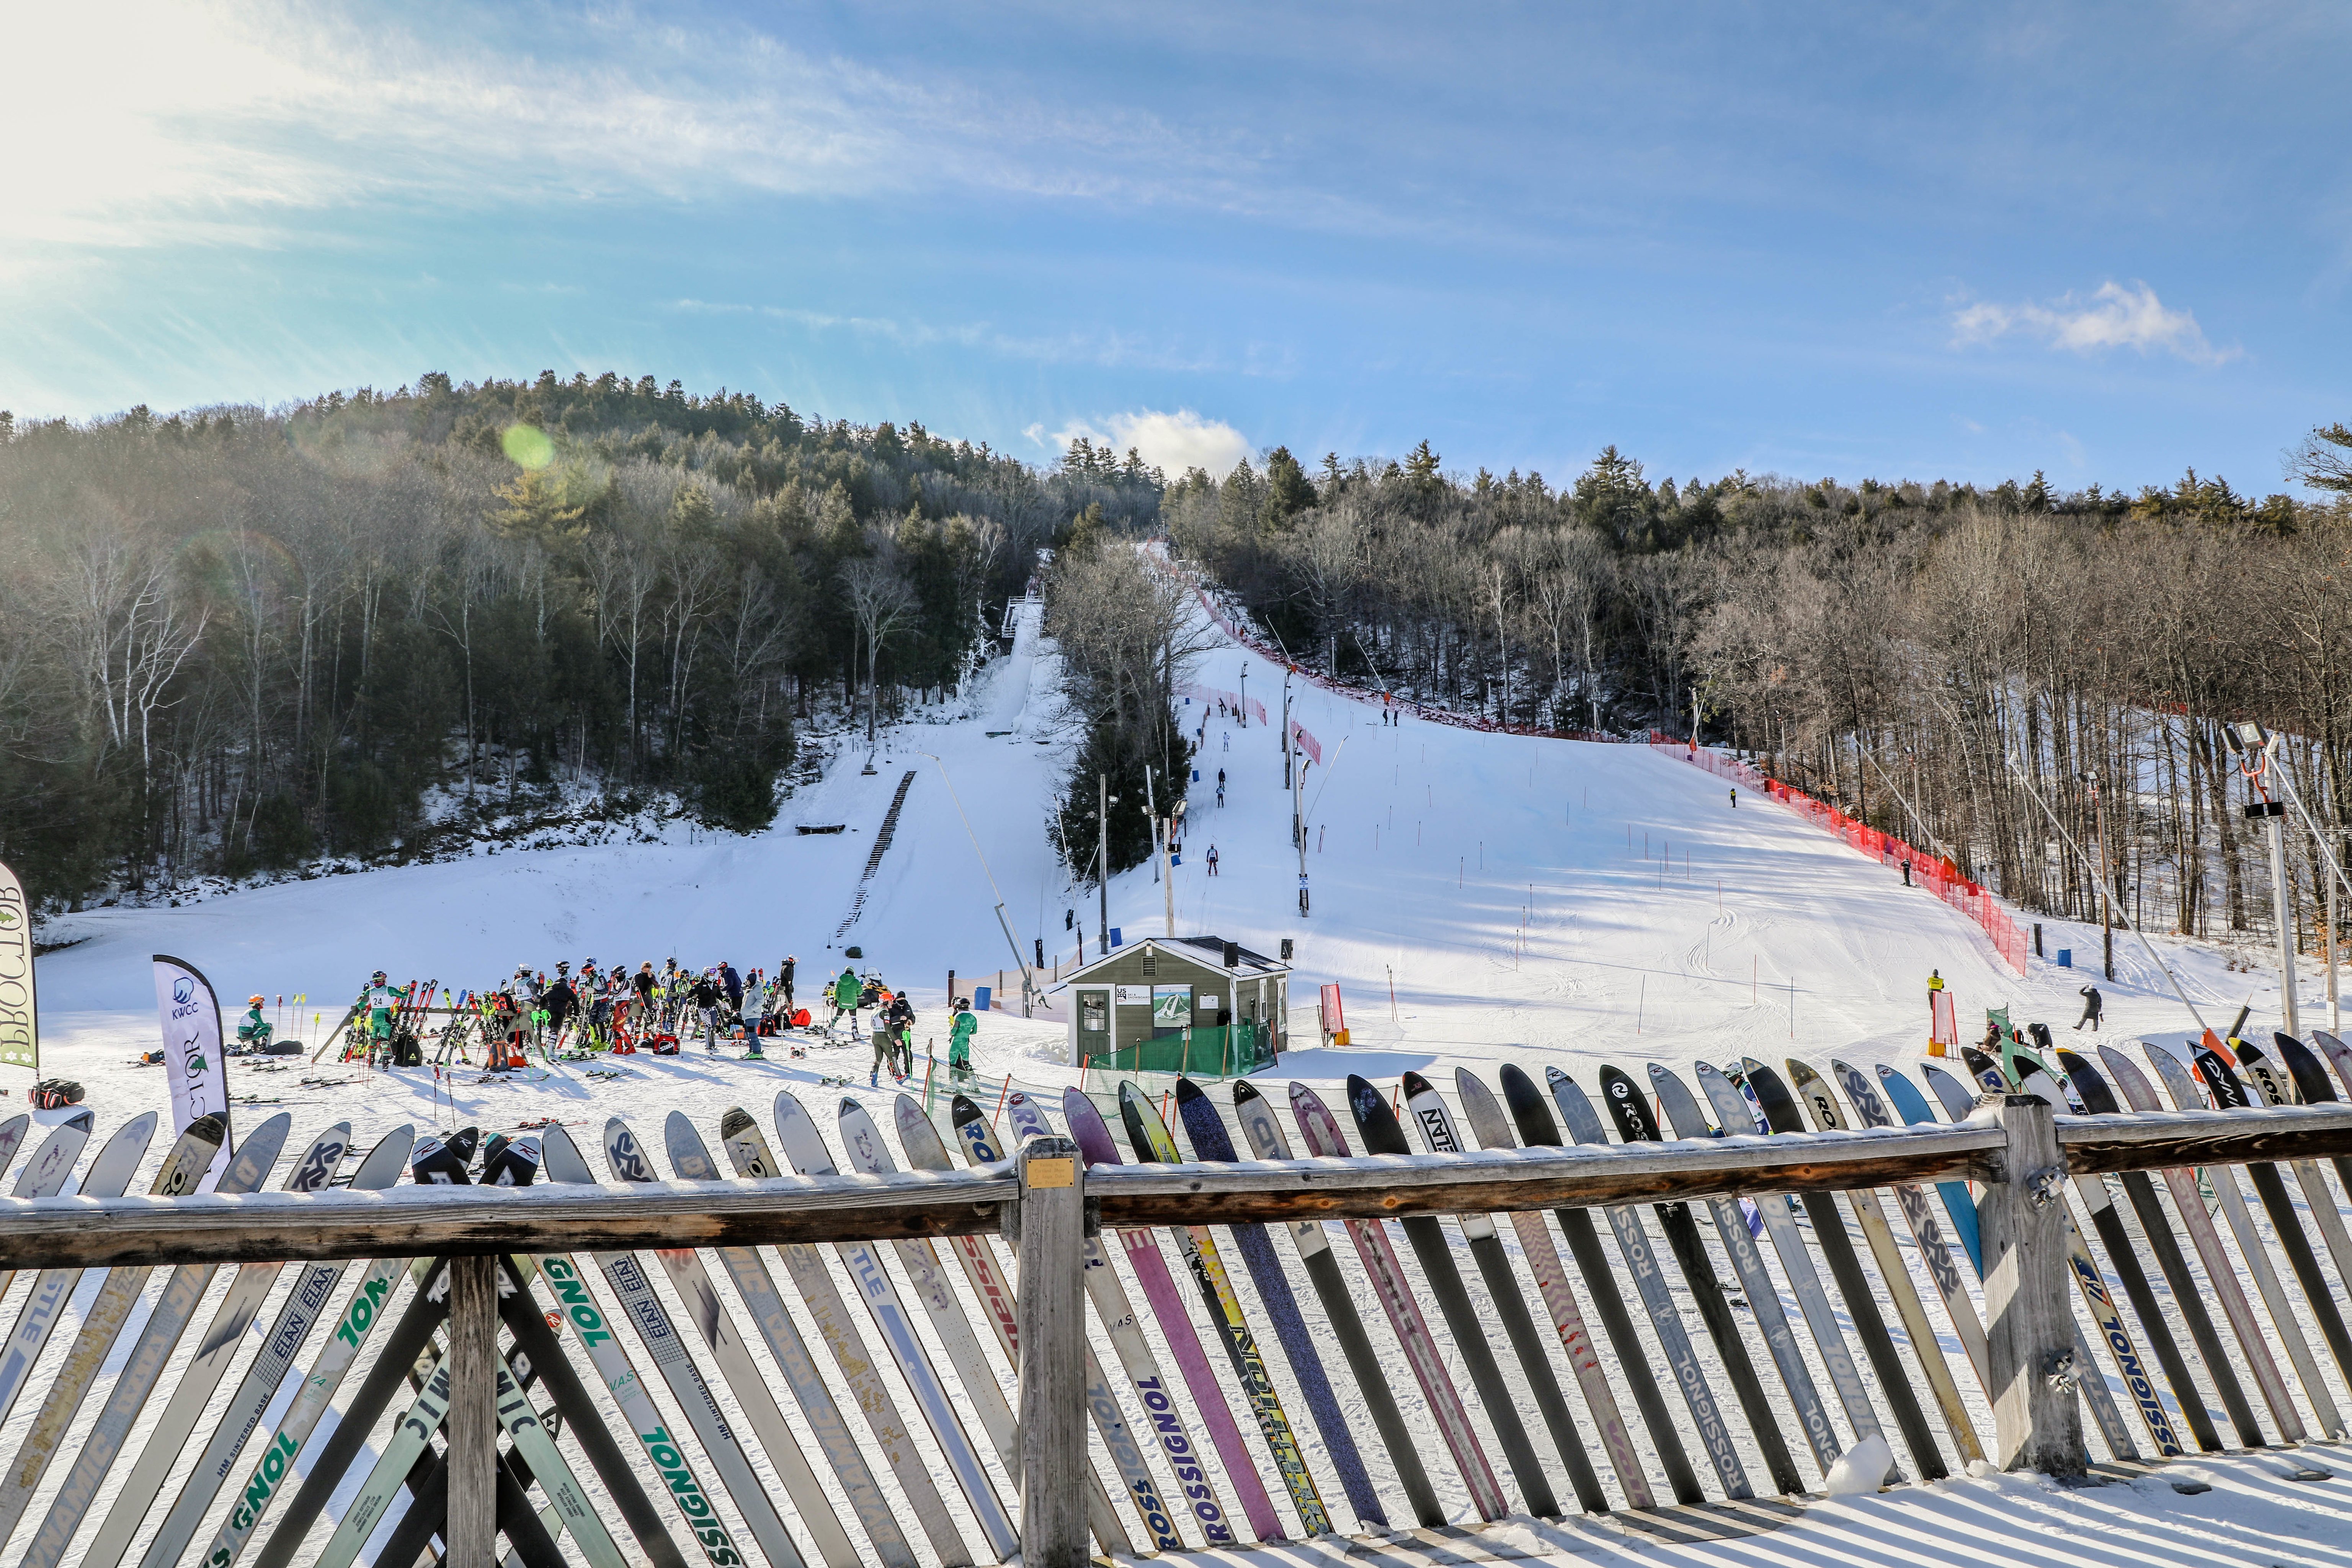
(296, 1316)
(2310, 1086)
(1926, 1346)
(2089, 1284)
(564, 1162)
(1784, 1114)
(1151, 1141)
(1926, 1234)
(2221, 1271)
(1382, 1133)
(2229, 1093)
(301, 1312)
(166, 1321)
(1267, 1140)
(51, 1165)
(118, 1160)
(396, 1368)
(2098, 1099)
(1143, 1256)
(1683, 1114)
(1641, 1261)
(804, 1149)
(1320, 1131)
(362, 1312)
(1137, 1361)
(757, 1286)
(181, 1170)
(408, 1443)
(748, 1150)
(1211, 1141)
(2223, 1183)
(1493, 1131)
(1531, 1118)
(1631, 1112)
(12, 1136)
(1435, 1121)
(861, 1137)
(742, 1375)
(1959, 1204)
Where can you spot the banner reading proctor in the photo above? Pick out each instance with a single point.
(20, 1018)
(192, 1042)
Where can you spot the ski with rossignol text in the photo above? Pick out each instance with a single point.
(861, 1138)
(691, 1279)
(2089, 1283)
(925, 1151)
(1092, 1135)
(2089, 1086)
(2140, 1095)
(1211, 1141)
(1682, 1112)
(564, 1162)
(1151, 1141)
(1583, 1124)
(748, 1152)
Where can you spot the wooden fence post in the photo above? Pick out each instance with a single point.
(473, 1524)
(2029, 1329)
(1052, 1224)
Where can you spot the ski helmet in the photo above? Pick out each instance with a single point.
(253, 1000)
(377, 977)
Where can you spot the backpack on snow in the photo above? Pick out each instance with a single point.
(662, 1044)
(52, 1092)
(407, 1050)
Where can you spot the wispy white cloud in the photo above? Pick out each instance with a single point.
(1169, 442)
(157, 121)
(2114, 317)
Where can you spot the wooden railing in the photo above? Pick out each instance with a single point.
(1053, 1207)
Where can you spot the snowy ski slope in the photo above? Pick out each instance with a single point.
(1533, 900)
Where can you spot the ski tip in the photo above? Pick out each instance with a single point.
(1244, 1091)
(1415, 1084)
(734, 1121)
(209, 1127)
(1188, 1091)
(846, 1108)
(905, 1111)
(84, 1119)
(963, 1110)
(676, 1122)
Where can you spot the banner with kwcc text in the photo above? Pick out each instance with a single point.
(20, 1017)
(192, 1042)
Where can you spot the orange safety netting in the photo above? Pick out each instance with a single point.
(1935, 873)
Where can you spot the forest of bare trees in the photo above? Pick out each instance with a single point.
(375, 625)
(1919, 655)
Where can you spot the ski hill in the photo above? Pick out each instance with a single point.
(1478, 899)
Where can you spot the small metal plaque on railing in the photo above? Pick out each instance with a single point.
(1053, 1173)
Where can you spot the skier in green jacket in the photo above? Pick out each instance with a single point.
(960, 1034)
(846, 993)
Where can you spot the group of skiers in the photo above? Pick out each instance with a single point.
(592, 1010)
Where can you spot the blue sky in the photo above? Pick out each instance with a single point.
(1964, 241)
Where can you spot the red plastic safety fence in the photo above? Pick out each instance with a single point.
(1936, 874)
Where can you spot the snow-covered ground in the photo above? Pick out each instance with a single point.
(1512, 899)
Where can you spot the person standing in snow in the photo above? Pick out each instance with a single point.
(2092, 1003)
(1734, 797)
(784, 978)
(376, 1003)
(899, 1020)
(734, 983)
(846, 992)
(708, 992)
(1211, 859)
(960, 1034)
